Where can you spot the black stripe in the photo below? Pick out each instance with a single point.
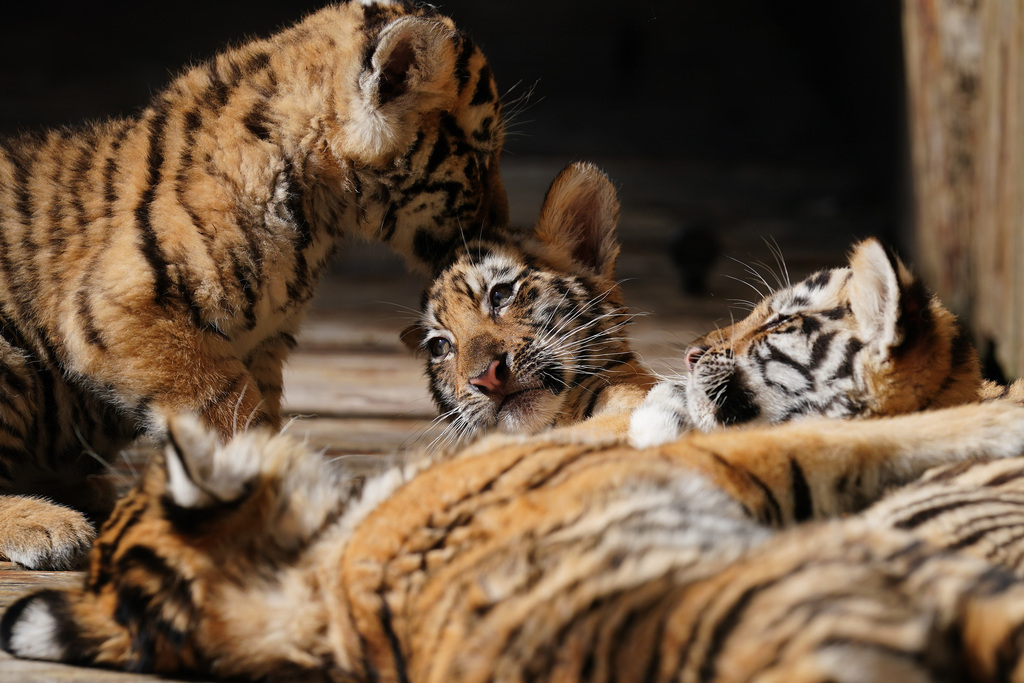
(845, 369)
(86, 162)
(484, 88)
(819, 351)
(466, 51)
(722, 629)
(396, 646)
(928, 514)
(87, 321)
(773, 516)
(1005, 477)
(100, 575)
(818, 280)
(1008, 654)
(110, 169)
(803, 506)
(151, 250)
(256, 121)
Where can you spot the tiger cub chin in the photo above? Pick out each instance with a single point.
(161, 264)
(864, 340)
(554, 558)
(525, 331)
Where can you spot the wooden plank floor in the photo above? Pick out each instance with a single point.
(356, 392)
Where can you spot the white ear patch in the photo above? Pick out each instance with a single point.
(875, 294)
(408, 74)
(34, 634)
(200, 471)
(182, 489)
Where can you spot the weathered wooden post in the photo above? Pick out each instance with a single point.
(965, 77)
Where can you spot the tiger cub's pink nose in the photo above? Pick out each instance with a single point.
(693, 354)
(492, 380)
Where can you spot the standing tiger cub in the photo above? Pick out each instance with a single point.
(865, 340)
(161, 264)
(525, 331)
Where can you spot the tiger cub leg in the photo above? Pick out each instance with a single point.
(40, 534)
(35, 472)
(265, 365)
(170, 366)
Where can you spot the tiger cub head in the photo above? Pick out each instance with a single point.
(863, 340)
(393, 109)
(524, 330)
(198, 565)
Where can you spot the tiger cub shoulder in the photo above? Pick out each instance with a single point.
(526, 330)
(864, 340)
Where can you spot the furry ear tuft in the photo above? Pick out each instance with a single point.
(579, 217)
(189, 455)
(409, 61)
(890, 304)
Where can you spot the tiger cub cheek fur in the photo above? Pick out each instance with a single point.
(524, 330)
(864, 340)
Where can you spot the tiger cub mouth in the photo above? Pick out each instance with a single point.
(519, 400)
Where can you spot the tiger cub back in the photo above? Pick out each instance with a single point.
(550, 558)
(526, 330)
(161, 264)
(865, 340)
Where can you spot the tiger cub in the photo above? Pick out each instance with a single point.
(162, 263)
(547, 558)
(865, 340)
(525, 330)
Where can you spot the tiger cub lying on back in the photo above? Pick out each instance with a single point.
(525, 331)
(866, 340)
(548, 559)
(161, 264)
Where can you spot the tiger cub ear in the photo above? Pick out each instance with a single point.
(408, 70)
(190, 458)
(579, 217)
(413, 58)
(891, 305)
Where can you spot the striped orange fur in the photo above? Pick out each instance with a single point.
(554, 558)
(861, 341)
(162, 263)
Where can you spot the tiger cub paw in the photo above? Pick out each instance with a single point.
(661, 418)
(39, 534)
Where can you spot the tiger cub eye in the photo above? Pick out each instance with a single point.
(439, 347)
(501, 295)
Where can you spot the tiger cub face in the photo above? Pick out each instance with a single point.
(232, 523)
(863, 340)
(524, 331)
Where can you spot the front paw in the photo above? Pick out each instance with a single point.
(661, 418)
(39, 534)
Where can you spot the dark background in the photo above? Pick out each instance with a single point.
(740, 93)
